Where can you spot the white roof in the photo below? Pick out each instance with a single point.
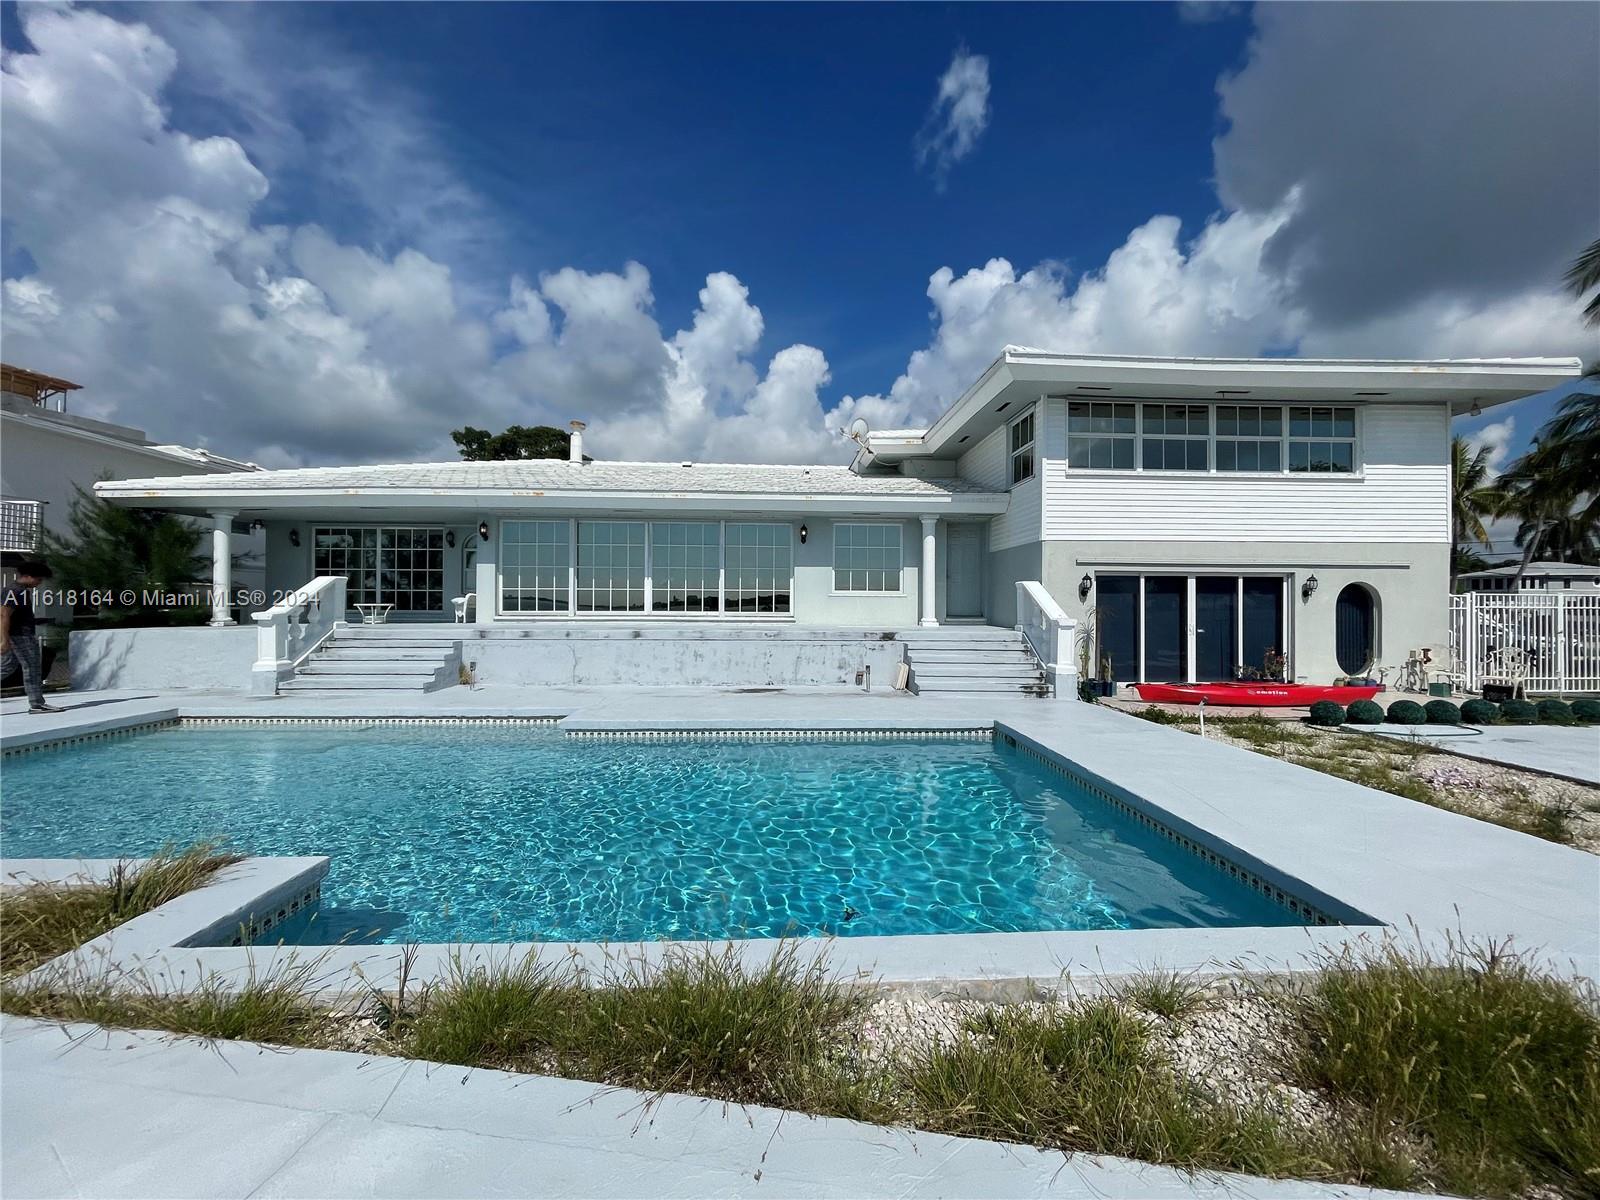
(1540, 570)
(527, 482)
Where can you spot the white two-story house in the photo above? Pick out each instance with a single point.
(1199, 517)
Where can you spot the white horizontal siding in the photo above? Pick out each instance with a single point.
(1401, 495)
(988, 464)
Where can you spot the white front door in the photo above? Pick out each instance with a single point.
(963, 570)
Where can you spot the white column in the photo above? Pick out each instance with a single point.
(930, 592)
(221, 568)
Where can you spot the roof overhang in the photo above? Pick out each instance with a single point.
(1019, 377)
(370, 503)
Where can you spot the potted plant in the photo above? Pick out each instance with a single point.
(1108, 677)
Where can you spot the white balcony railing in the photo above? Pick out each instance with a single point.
(287, 633)
(1051, 633)
(21, 523)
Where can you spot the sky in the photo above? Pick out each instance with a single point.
(305, 234)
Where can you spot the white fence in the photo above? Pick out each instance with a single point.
(1557, 633)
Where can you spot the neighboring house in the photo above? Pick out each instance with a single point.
(45, 452)
(1206, 512)
(1539, 577)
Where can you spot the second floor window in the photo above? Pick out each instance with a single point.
(1022, 449)
(1100, 435)
(1249, 438)
(1322, 440)
(1175, 437)
(1222, 438)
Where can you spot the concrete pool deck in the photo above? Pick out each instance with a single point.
(1371, 859)
(94, 1112)
(1566, 753)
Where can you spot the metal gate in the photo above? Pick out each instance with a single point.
(1557, 633)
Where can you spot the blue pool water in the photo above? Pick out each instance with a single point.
(465, 833)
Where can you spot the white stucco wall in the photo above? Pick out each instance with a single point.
(176, 659)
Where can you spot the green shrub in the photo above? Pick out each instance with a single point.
(1406, 712)
(1518, 712)
(1326, 712)
(1364, 712)
(1480, 712)
(1442, 712)
(1555, 712)
(1587, 711)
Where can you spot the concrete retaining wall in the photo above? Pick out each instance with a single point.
(785, 659)
(196, 657)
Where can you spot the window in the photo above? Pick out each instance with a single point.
(758, 568)
(610, 566)
(535, 566)
(1022, 449)
(1249, 438)
(352, 553)
(685, 566)
(1322, 440)
(399, 566)
(1100, 436)
(867, 558)
(1175, 437)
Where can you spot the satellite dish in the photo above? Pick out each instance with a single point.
(858, 429)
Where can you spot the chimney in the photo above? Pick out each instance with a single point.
(575, 450)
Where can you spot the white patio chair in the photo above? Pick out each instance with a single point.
(1506, 667)
(462, 605)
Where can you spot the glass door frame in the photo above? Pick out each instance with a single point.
(1286, 610)
(378, 531)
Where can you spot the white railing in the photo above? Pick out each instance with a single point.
(1050, 632)
(287, 633)
(20, 524)
(1556, 633)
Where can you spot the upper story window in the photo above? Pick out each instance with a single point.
(1322, 440)
(1101, 434)
(1244, 438)
(1022, 448)
(1176, 437)
(867, 558)
(1249, 438)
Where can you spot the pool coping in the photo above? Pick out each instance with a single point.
(1342, 842)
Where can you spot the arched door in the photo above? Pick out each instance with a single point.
(1354, 629)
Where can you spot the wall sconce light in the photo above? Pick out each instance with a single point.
(804, 533)
(294, 537)
(257, 526)
(1085, 586)
(1306, 588)
(483, 531)
(450, 538)
(1477, 409)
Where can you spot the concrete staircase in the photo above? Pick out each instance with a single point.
(973, 658)
(379, 658)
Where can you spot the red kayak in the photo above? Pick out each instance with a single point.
(1251, 695)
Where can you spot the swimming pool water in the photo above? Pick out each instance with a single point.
(464, 833)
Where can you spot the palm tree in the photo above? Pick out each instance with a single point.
(1473, 497)
(1584, 276)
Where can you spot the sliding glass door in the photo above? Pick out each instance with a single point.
(398, 565)
(1190, 628)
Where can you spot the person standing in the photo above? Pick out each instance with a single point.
(19, 633)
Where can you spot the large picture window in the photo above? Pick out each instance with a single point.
(1243, 438)
(668, 568)
(867, 558)
(535, 566)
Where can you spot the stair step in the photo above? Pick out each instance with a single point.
(976, 671)
(355, 654)
(399, 670)
(326, 678)
(997, 657)
(976, 685)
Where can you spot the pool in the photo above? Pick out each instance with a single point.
(450, 833)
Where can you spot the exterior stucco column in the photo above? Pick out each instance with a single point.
(930, 543)
(221, 568)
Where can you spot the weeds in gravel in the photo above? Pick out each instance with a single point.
(1086, 1077)
(1170, 994)
(40, 921)
(1492, 1062)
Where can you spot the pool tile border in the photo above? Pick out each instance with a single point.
(204, 721)
(95, 735)
(976, 734)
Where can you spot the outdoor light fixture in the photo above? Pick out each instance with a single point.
(1085, 586)
(1306, 588)
(294, 537)
(1477, 409)
(450, 538)
(483, 531)
(804, 533)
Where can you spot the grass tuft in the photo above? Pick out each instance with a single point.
(41, 921)
(1495, 1063)
(1169, 994)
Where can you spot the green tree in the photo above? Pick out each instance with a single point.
(1584, 276)
(1473, 497)
(113, 551)
(518, 441)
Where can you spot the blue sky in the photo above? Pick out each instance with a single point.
(427, 212)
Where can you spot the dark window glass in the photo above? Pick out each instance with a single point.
(1117, 627)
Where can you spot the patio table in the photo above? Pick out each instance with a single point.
(374, 614)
